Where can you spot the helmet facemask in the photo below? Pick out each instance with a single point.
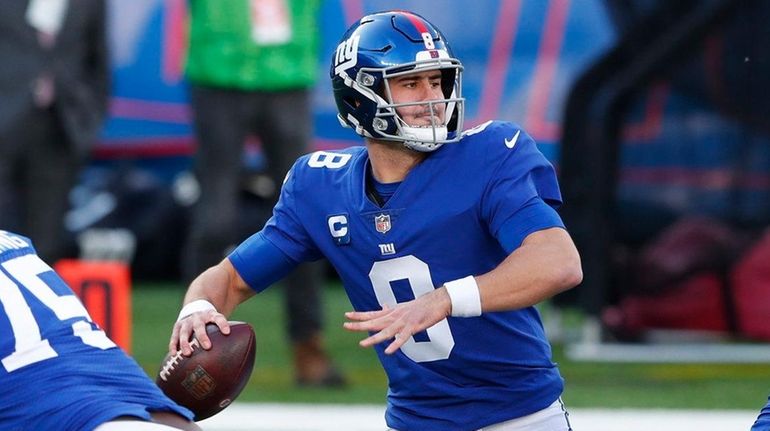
(389, 123)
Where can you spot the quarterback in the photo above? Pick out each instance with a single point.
(444, 238)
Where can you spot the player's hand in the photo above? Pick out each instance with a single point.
(400, 322)
(195, 324)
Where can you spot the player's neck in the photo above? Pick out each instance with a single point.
(391, 161)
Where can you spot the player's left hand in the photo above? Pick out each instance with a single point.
(195, 324)
(400, 322)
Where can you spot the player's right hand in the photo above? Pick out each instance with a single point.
(194, 325)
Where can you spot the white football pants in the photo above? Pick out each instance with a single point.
(137, 425)
(551, 418)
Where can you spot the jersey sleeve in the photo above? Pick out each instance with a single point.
(285, 229)
(522, 192)
(260, 263)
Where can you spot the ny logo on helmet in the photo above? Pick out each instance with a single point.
(347, 55)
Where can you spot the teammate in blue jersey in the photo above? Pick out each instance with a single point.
(763, 420)
(58, 370)
(444, 239)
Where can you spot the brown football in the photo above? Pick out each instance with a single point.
(209, 380)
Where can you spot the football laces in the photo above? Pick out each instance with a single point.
(172, 362)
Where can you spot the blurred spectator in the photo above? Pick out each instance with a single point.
(251, 67)
(54, 83)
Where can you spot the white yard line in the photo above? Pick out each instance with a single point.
(325, 417)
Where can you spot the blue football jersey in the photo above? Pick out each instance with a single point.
(763, 420)
(442, 223)
(58, 370)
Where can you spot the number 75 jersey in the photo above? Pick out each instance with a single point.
(40, 318)
(57, 368)
(442, 223)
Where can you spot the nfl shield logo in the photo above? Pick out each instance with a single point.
(382, 223)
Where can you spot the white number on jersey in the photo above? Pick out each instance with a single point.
(30, 347)
(325, 159)
(478, 129)
(418, 274)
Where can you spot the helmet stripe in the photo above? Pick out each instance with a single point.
(416, 21)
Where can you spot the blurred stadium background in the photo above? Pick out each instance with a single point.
(656, 115)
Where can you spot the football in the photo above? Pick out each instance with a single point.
(209, 380)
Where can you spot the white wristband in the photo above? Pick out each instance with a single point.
(194, 307)
(464, 296)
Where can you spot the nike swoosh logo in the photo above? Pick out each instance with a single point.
(510, 143)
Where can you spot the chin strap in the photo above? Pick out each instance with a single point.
(423, 139)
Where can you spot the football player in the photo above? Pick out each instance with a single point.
(59, 371)
(445, 239)
(763, 421)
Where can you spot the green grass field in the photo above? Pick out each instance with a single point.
(709, 386)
